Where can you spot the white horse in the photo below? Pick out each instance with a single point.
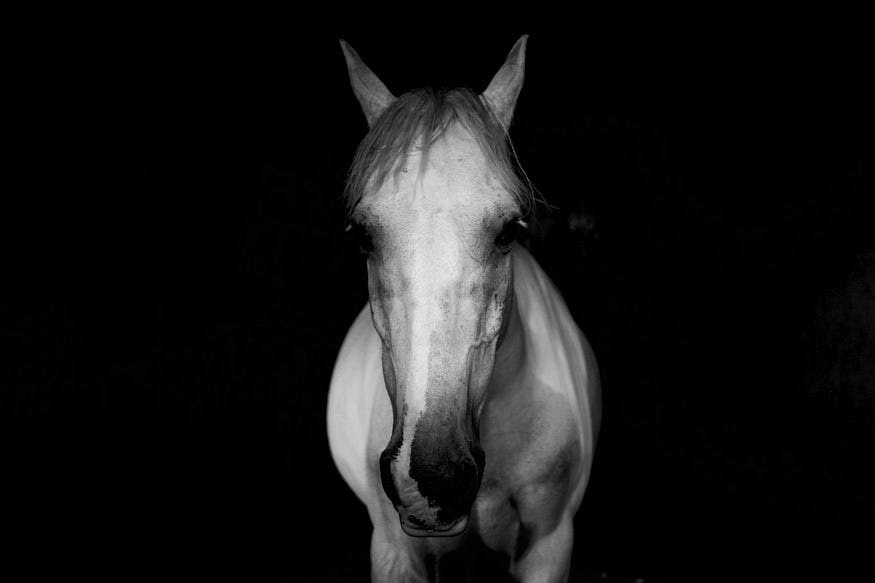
(464, 405)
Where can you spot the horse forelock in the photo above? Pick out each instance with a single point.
(416, 120)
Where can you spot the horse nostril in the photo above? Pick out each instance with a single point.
(386, 476)
(466, 481)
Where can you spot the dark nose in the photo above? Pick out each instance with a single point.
(450, 487)
(448, 482)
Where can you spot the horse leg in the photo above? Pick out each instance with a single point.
(390, 562)
(394, 555)
(547, 559)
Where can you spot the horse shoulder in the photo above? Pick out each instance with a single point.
(563, 365)
(356, 385)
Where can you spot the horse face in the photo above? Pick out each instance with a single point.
(440, 287)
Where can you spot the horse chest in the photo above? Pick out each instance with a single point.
(533, 459)
(528, 435)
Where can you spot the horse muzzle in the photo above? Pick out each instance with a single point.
(432, 499)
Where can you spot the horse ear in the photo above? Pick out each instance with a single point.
(370, 91)
(503, 90)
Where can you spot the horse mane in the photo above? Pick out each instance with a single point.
(419, 118)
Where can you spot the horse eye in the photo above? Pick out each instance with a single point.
(362, 237)
(508, 234)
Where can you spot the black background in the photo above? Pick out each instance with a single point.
(178, 283)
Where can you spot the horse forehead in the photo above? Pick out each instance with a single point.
(456, 156)
(455, 178)
(458, 174)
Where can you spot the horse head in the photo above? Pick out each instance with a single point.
(435, 202)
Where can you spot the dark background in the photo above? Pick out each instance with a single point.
(178, 283)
